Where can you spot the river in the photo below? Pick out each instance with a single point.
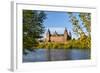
(39, 55)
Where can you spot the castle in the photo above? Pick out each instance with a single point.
(58, 37)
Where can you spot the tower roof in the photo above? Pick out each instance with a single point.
(69, 33)
(55, 33)
(65, 30)
(48, 32)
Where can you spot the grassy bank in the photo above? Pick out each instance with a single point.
(81, 44)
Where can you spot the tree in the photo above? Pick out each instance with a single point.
(84, 37)
(33, 27)
(86, 18)
(86, 23)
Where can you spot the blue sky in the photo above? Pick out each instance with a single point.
(58, 21)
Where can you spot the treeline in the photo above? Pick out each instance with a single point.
(81, 43)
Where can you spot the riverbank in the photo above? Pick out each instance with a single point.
(84, 44)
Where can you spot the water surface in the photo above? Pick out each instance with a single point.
(39, 55)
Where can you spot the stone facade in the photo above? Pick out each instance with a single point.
(58, 37)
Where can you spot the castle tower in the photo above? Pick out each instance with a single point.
(65, 34)
(48, 36)
(69, 35)
(55, 33)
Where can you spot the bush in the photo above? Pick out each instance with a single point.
(83, 43)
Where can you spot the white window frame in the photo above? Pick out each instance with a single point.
(16, 52)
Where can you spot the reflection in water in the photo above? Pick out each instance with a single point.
(56, 55)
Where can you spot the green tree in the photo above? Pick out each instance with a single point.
(85, 18)
(78, 28)
(33, 27)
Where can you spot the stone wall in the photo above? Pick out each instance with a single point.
(57, 39)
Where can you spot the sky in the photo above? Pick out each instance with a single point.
(58, 21)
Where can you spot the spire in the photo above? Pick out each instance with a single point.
(55, 33)
(70, 34)
(65, 31)
(48, 32)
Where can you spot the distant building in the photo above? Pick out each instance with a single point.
(58, 37)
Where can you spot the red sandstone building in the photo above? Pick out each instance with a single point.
(58, 37)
